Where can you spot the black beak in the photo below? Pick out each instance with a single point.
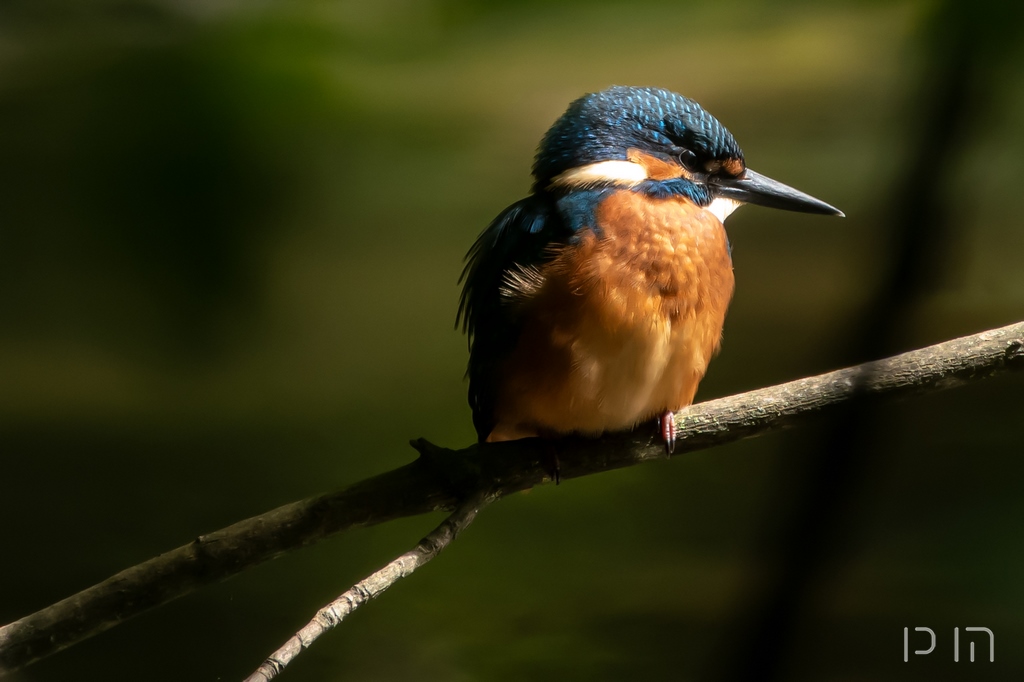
(754, 188)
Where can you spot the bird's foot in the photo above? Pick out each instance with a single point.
(667, 429)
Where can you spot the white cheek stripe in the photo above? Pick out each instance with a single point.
(628, 174)
(721, 207)
(619, 172)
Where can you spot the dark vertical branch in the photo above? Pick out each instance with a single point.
(962, 48)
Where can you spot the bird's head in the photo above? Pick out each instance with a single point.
(626, 136)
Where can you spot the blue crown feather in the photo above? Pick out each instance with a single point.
(602, 126)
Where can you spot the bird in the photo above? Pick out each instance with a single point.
(595, 303)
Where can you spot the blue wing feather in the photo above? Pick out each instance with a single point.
(519, 237)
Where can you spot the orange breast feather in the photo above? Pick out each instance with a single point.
(621, 326)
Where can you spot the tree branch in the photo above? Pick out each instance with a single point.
(331, 615)
(439, 478)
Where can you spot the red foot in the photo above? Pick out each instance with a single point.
(667, 427)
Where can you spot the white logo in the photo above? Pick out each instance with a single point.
(956, 643)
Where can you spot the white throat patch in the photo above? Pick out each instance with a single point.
(722, 207)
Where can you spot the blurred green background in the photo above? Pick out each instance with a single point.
(230, 235)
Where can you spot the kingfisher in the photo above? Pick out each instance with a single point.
(596, 303)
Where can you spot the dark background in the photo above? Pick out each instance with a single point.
(229, 240)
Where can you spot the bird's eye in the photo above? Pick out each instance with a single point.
(689, 160)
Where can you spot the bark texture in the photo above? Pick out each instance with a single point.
(372, 586)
